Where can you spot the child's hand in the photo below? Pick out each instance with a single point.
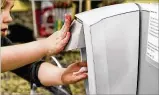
(57, 41)
(74, 73)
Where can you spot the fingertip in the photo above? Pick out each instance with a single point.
(66, 25)
(85, 75)
(68, 18)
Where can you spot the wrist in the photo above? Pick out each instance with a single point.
(62, 73)
(43, 46)
(50, 75)
(48, 47)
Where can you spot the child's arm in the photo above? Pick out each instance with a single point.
(46, 74)
(13, 57)
(50, 75)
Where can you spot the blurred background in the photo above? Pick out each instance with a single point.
(37, 19)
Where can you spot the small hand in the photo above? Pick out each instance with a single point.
(57, 41)
(74, 73)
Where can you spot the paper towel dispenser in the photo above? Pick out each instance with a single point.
(110, 39)
(77, 37)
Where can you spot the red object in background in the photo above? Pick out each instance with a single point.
(45, 19)
(43, 32)
(38, 18)
(41, 29)
(50, 19)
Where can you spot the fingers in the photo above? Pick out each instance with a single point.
(64, 34)
(81, 71)
(66, 39)
(80, 77)
(74, 78)
(66, 26)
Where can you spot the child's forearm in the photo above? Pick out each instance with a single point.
(49, 74)
(19, 55)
